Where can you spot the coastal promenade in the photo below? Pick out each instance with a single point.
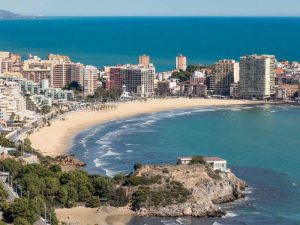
(59, 135)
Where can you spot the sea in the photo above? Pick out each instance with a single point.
(260, 143)
(103, 41)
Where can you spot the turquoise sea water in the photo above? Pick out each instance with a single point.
(260, 143)
(112, 40)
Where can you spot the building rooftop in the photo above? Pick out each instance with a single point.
(213, 159)
(205, 158)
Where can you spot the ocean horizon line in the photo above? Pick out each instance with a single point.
(157, 16)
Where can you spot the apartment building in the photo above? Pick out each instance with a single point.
(257, 76)
(90, 81)
(11, 100)
(181, 62)
(144, 60)
(226, 72)
(36, 70)
(65, 72)
(139, 80)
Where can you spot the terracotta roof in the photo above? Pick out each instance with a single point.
(279, 71)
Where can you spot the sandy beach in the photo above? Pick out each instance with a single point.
(103, 216)
(55, 140)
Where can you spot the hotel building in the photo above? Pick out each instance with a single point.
(59, 58)
(257, 76)
(181, 62)
(90, 79)
(36, 70)
(139, 80)
(11, 100)
(65, 72)
(226, 72)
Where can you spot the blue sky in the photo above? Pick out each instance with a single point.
(154, 7)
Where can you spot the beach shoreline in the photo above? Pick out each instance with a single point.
(60, 135)
(102, 216)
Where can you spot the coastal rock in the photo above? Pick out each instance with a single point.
(69, 160)
(206, 190)
(187, 211)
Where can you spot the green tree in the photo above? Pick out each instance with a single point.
(107, 95)
(45, 109)
(51, 186)
(103, 186)
(12, 116)
(11, 166)
(93, 202)
(55, 168)
(119, 198)
(181, 75)
(4, 142)
(3, 193)
(21, 207)
(74, 85)
(192, 68)
(21, 221)
(197, 160)
(63, 195)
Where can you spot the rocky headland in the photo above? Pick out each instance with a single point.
(181, 190)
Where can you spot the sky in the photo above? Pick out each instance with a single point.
(153, 7)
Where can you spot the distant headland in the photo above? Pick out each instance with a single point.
(5, 14)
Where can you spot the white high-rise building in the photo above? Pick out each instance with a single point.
(257, 76)
(11, 100)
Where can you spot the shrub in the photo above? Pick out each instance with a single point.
(173, 193)
(119, 198)
(137, 166)
(139, 197)
(197, 160)
(137, 180)
(120, 178)
(214, 175)
(165, 170)
(93, 202)
(21, 221)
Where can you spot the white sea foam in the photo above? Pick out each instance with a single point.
(249, 190)
(217, 223)
(129, 151)
(103, 142)
(109, 172)
(110, 153)
(99, 163)
(148, 122)
(181, 220)
(230, 215)
(169, 222)
(104, 166)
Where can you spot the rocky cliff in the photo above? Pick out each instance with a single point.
(182, 190)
